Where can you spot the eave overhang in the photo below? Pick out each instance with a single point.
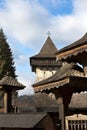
(73, 83)
(48, 86)
(60, 78)
(10, 83)
(73, 52)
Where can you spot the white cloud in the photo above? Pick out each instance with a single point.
(80, 7)
(23, 20)
(22, 59)
(68, 28)
(25, 80)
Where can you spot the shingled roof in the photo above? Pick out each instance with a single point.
(47, 51)
(11, 82)
(56, 80)
(20, 120)
(79, 42)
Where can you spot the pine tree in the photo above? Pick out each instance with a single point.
(6, 63)
(6, 57)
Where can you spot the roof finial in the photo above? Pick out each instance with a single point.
(49, 33)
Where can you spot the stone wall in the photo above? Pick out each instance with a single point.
(43, 73)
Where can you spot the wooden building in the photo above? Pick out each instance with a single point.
(28, 121)
(70, 78)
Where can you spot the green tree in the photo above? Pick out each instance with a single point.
(6, 57)
(6, 63)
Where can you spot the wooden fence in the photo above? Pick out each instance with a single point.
(76, 122)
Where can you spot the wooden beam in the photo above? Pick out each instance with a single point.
(7, 102)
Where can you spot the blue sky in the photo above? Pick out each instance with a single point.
(56, 7)
(26, 23)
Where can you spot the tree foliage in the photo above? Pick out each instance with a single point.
(6, 62)
(6, 57)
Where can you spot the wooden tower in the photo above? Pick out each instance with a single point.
(44, 63)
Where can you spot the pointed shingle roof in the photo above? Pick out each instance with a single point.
(46, 56)
(48, 50)
(9, 81)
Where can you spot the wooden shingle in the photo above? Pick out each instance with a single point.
(48, 50)
(20, 120)
(9, 81)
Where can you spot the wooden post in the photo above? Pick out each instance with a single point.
(61, 112)
(63, 116)
(7, 101)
